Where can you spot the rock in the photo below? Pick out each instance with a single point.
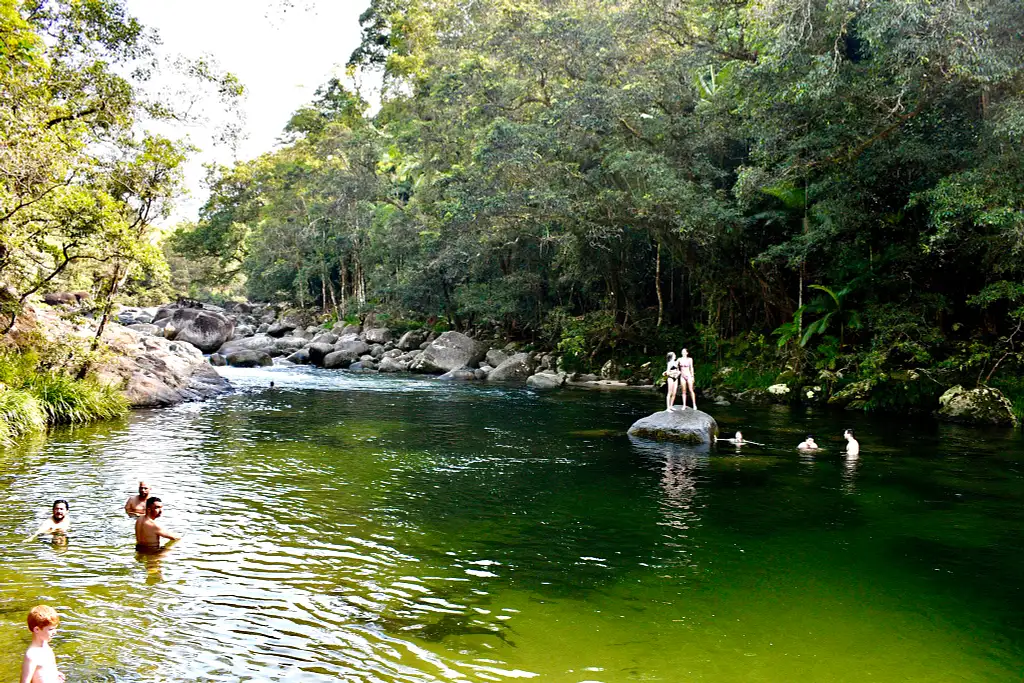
(290, 344)
(393, 353)
(547, 361)
(610, 370)
(356, 348)
(411, 340)
(339, 359)
(682, 426)
(377, 351)
(812, 394)
(853, 396)
(480, 374)
(60, 298)
(389, 364)
(280, 328)
(259, 342)
(242, 331)
(459, 374)
(206, 330)
(217, 360)
(366, 358)
(326, 338)
(318, 351)
(300, 357)
(754, 397)
(249, 359)
(424, 346)
(496, 357)
(362, 367)
(262, 329)
(450, 351)
(351, 329)
(779, 393)
(518, 367)
(546, 380)
(984, 405)
(377, 335)
(143, 328)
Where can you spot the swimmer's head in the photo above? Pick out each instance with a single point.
(154, 507)
(44, 617)
(848, 433)
(739, 436)
(671, 356)
(143, 489)
(684, 353)
(60, 509)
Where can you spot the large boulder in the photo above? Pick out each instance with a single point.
(450, 351)
(681, 426)
(984, 405)
(286, 345)
(389, 364)
(318, 351)
(300, 357)
(259, 342)
(412, 339)
(204, 329)
(546, 380)
(339, 359)
(377, 335)
(356, 347)
(495, 357)
(249, 359)
(517, 368)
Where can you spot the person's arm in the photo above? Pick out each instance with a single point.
(129, 510)
(169, 535)
(44, 528)
(28, 668)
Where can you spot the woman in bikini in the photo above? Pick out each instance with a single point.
(685, 364)
(672, 374)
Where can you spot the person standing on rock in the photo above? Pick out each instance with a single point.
(686, 377)
(672, 375)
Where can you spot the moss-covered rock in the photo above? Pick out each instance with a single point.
(984, 405)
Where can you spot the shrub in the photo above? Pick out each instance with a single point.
(66, 400)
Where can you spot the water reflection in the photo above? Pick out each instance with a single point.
(392, 529)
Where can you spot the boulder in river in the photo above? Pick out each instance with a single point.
(450, 351)
(518, 367)
(377, 335)
(318, 351)
(249, 359)
(546, 380)
(412, 339)
(682, 426)
(459, 374)
(206, 330)
(983, 405)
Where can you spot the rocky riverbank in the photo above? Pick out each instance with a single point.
(255, 335)
(246, 335)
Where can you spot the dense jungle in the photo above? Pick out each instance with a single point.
(802, 191)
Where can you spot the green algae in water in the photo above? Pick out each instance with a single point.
(433, 532)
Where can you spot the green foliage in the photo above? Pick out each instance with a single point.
(614, 178)
(35, 394)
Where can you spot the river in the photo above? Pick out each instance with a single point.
(382, 528)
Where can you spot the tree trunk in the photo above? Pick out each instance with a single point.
(657, 285)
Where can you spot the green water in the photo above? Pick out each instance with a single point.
(372, 528)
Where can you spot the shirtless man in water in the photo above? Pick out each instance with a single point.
(136, 505)
(852, 446)
(59, 522)
(148, 531)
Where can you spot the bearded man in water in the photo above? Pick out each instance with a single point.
(148, 531)
(136, 505)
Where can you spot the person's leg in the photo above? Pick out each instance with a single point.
(682, 390)
(670, 396)
(693, 395)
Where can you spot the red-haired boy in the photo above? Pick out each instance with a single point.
(39, 665)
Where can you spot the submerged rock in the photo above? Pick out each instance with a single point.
(682, 426)
(984, 405)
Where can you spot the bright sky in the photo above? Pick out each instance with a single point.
(281, 54)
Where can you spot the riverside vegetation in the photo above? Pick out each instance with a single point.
(810, 194)
(822, 197)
